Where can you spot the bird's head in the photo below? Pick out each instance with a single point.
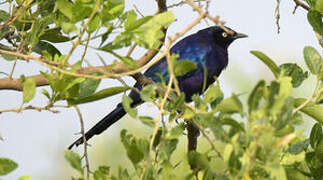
(225, 37)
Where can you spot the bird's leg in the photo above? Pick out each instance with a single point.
(192, 135)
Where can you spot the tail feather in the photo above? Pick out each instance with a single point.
(102, 125)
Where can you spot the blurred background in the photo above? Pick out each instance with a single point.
(37, 140)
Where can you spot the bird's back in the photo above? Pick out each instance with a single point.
(199, 48)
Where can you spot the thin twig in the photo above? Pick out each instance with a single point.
(18, 110)
(306, 7)
(85, 154)
(16, 14)
(277, 15)
(78, 41)
(86, 47)
(216, 19)
(138, 11)
(131, 49)
(13, 69)
(308, 101)
(208, 139)
(183, 3)
(319, 38)
(301, 4)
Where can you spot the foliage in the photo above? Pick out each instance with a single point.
(253, 140)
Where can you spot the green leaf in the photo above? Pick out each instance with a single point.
(315, 165)
(126, 103)
(167, 147)
(276, 172)
(98, 175)
(178, 102)
(213, 94)
(148, 93)
(8, 57)
(289, 159)
(25, 178)
(132, 23)
(198, 159)
(316, 135)
(299, 147)
(88, 87)
(233, 123)
(265, 59)
(183, 66)
(65, 7)
(100, 95)
(122, 40)
(311, 3)
(132, 147)
(315, 19)
(34, 34)
(295, 72)
(101, 173)
(319, 98)
(149, 121)
(107, 33)
(176, 131)
(112, 10)
(255, 96)
(104, 169)
(69, 27)
(54, 35)
(6, 166)
(319, 6)
(81, 11)
(68, 82)
(231, 105)
(43, 46)
(4, 15)
(313, 60)
(208, 174)
(311, 109)
(149, 34)
(74, 159)
(227, 152)
(129, 62)
(285, 87)
(149, 172)
(188, 113)
(319, 150)
(29, 89)
(123, 174)
(94, 24)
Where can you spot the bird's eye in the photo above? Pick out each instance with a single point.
(224, 34)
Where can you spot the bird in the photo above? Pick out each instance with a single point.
(207, 48)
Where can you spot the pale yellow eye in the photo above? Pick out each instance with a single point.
(224, 34)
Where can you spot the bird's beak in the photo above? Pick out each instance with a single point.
(240, 35)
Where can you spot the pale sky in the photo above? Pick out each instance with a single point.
(37, 140)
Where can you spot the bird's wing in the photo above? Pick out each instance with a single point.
(190, 49)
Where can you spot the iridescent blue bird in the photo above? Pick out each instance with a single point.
(207, 49)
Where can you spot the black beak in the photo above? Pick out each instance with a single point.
(239, 35)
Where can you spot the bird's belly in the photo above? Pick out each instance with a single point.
(192, 85)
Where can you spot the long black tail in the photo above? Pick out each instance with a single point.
(102, 125)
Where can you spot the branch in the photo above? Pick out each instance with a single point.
(17, 14)
(308, 101)
(301, 4)
(17, 110)
(306, 7)
(277, 15)
(119, 69)
(216, 19)
(85, 154)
